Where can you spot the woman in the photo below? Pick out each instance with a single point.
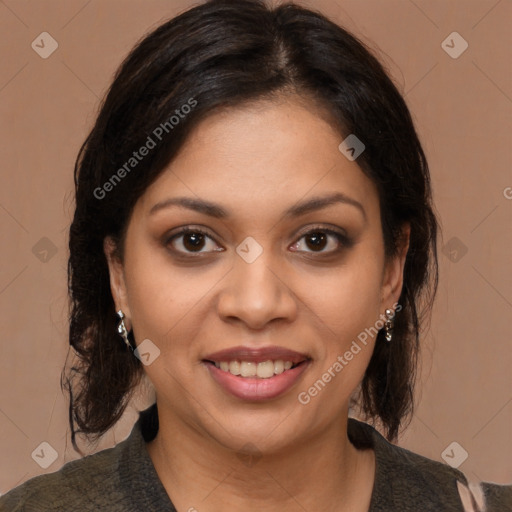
(253, 218)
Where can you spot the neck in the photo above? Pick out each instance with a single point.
(324, 472)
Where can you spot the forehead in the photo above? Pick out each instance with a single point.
(262, 157)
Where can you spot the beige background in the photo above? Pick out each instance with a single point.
(462, 108)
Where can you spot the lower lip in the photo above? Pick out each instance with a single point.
(255, 389)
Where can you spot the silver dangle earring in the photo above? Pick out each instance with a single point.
(390, 323)
(121, 329)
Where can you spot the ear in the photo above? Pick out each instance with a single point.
(393, 276)
(117, 280)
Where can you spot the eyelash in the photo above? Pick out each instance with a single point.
(342, 239)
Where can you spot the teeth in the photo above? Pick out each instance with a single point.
(234, 367)
(248, 369)
(278, 367)
(263, 370)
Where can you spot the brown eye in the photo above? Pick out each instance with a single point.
(192, 240)
(316, 241)
(322, 241)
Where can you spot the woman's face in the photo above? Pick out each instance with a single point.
(255, 279)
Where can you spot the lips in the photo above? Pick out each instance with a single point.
(257, 355)
(246, 385)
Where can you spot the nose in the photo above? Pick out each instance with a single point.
(256, 294)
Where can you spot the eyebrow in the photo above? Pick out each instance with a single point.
(217, 211)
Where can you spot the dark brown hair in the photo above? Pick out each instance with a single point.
(227, 53)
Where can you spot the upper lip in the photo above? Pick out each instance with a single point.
(256, 355)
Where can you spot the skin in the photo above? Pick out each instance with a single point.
(256, 161)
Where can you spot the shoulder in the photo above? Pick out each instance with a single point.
(497, 497)
(407, 481)
(118, 479)
(80, 485)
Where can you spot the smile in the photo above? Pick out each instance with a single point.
(256, 374)
(264, 370)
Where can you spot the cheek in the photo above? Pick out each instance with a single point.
(348, 305)
(164, 303)
(348, 299)
(153, 293)
(167, 301)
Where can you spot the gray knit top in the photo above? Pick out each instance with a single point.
(123, 479)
